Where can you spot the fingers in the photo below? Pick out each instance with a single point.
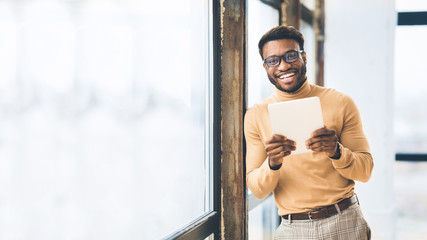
(329, 147)
(278, 155)
(276, 138)
(322, 147)
(323, 140)
(278, 150)
(278, 143)
(287, 145)
(278, 147)
(323, 132)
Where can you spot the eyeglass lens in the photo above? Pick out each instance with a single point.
(289, 57)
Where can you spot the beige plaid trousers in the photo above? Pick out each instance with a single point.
(347, 225)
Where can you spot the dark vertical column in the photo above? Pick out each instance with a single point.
(319, 29)
(232, 76)
(291, 13)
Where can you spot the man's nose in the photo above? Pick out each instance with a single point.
(283, 64)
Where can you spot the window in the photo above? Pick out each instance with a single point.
(410, 121)
(410, 90)
(309, 47)
(261, 18)
(263, 218)
(105, 125)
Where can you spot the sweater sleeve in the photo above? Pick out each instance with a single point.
(260, 178)
(356, 162)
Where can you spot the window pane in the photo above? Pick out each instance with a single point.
(263, 220)
(103, 118)
(410, 89)
(410, 129)
(411, 5)
(411, 199)
(309, 47)
(261, 18)
(310, 4)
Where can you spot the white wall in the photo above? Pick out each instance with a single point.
(359, 50)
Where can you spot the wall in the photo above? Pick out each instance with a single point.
(359, 62)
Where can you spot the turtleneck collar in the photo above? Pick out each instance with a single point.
(302, 92)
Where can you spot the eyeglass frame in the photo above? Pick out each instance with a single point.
(283, 57)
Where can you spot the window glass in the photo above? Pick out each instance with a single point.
(104, 108)
(261, 18)
(411, 5)
(263, 220)
(411, 199)
(410, 129)
(309, 47)
(310, 4)
(410, 89)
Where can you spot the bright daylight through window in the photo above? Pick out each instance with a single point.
(104, 118)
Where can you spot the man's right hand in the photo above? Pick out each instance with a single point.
(278, 147)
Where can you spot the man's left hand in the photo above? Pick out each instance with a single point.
(324, 140)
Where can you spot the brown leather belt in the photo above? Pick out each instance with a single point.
(323, 212)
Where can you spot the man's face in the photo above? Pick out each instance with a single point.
(287, 77)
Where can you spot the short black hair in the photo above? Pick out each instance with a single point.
(281, 32)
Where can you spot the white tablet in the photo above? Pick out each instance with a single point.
(296, 120)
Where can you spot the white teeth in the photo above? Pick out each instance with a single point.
(287, 75)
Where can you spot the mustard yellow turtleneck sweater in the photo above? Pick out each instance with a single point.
(311, 180)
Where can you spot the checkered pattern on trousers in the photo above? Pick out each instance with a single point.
(347, 225)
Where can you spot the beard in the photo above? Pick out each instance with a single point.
(300, 80)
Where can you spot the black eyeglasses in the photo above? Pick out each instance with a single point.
(289, 57)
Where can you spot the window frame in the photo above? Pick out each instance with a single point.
(229, 216)
(411, 19)
(229, 97)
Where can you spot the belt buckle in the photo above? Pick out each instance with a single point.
(309, 216)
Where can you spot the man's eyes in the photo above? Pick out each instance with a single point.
(291, 55)
(272, 60)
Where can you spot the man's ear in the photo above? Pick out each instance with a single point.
(304, 57)
(265, 66)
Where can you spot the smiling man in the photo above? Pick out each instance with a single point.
(314, 192)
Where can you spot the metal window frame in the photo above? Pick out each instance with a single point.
(307, 15)
(228, 220)
(209, 223)
(411, 157)
(200, 228)
(411, 19)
